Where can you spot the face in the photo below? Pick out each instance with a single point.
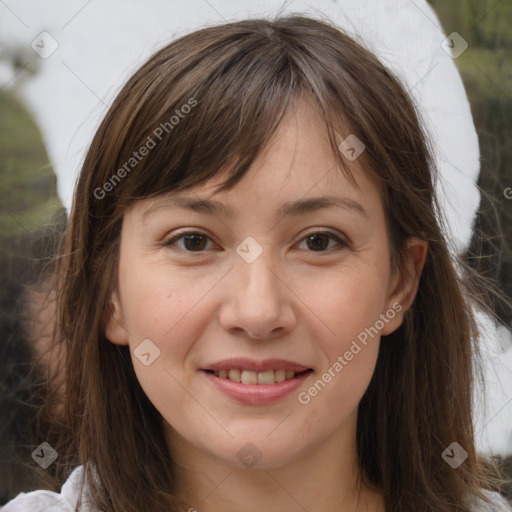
(260, 289)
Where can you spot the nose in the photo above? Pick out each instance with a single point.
(258, 301)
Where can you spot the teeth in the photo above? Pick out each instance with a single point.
(266, 377)
(280, 375)
(249, 377)
(235, 375)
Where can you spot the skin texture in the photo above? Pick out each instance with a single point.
(292, 302)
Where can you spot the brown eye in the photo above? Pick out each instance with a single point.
(319, 241)
(192, 241)
(195, 242)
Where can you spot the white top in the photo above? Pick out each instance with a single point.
(48, 501)
(66, 501)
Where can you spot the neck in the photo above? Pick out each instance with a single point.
(323, 478)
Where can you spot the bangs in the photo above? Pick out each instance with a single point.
(218, 109)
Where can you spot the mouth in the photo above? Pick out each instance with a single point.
(265, 378)
(252, 382)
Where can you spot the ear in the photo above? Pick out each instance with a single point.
(115, 330)
(405, 282)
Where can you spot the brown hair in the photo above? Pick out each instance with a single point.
(239, 79)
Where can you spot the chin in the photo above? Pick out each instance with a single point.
(257, 452)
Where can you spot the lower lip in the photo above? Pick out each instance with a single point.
(257, 393)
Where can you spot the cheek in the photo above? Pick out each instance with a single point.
(349, 355)
(347, 304)
(171, 309)
(158, 302)
(349, 308)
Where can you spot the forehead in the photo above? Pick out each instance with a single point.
(296, 167)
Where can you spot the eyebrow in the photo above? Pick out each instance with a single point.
(290, 208)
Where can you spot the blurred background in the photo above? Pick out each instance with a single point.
(486, 69)
(32, 214)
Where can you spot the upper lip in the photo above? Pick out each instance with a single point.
(256, 366)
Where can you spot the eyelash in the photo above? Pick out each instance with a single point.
(171, 242)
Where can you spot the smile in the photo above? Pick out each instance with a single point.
(251, 377)
(256, 388)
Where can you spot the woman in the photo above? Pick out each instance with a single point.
(259, 308)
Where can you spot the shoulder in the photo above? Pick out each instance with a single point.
(65, 501)
(498, 503)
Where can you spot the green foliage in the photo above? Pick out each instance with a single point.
(486, 23)
(28, 196)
